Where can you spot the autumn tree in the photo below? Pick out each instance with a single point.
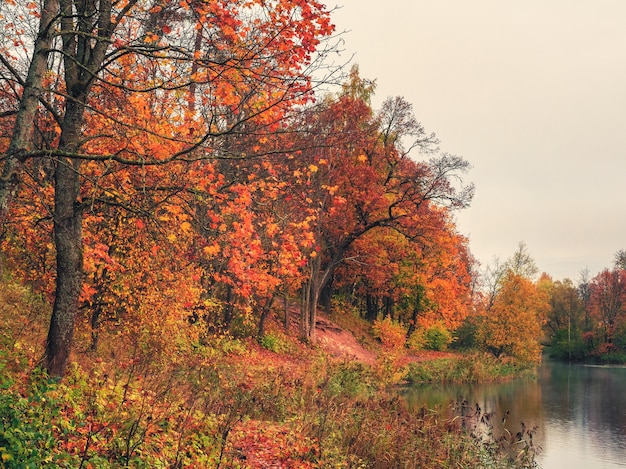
(419, 281)
(252, 243)
(520, 263)
(589, 321)
(565, 322)
(365, 180)
(512, 314)
(513, 325)
(448, 265)
(147, 86)
(607, 304)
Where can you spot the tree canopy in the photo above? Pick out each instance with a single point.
(172, 160)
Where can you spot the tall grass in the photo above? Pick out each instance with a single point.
(473, 368)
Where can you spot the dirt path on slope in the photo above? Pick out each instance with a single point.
(340, 342)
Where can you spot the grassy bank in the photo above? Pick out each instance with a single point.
(194, 401)
(468, 368)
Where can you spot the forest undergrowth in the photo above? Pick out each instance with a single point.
(181, 398)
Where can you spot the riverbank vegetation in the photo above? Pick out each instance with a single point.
(467, 368)
(587, 322)
(216, 401)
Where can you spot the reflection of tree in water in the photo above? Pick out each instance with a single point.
(580, 411)
(521, 397)
(501, 415)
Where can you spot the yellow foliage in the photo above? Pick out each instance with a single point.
(211, 250)
(512, 326)
(185, 227)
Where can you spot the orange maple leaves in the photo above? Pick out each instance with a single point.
(204, 175)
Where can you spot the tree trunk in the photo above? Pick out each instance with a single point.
(371, 307)
(304, 311)
(69, 262)
(414, 315)
(68, 240)
(313, 315)
(228, 307)
(317, 283)
(191, 96)
(264, 314)
(319, 279)
(310, 297)
(286, 317)
(95, 328)
(326, 295)
(82, 59)
(389, 310)
(21, 139)
(412, 322)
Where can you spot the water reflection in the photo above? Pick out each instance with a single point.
(585, 411)
(579, 411)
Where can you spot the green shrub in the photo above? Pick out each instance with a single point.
(465, 336)
(349, 380)
(619, 337)
(274, 343)
(612, 358)
(417, 340)
(26, 438)
(567, 346)
(438, 337)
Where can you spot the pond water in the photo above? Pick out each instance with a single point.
(579, 412)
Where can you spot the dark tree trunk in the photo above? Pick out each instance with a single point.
(371, 307)
(228, 307)
(310, 298)
(417, 307)
(83, 57)
(412, 322)
(95, 328)
(263, 318)
(69, 261)
(286, 317)
(326, 296)
(313, 315)
(68, 240)
(388, 303)
(304, 311)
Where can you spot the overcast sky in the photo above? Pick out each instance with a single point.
(533, 95)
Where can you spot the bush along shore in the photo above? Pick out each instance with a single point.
(213, 401)
(222, 413)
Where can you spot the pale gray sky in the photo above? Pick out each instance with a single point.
(533, 94)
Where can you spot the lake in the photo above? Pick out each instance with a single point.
(579, 412)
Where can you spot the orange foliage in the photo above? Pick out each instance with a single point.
(392, 335)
